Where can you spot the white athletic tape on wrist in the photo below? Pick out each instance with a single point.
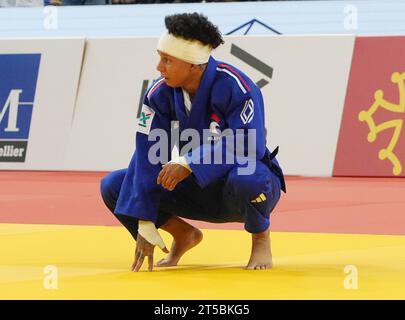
(149, 232)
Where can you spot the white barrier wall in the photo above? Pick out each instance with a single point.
(306, 83)
(38, 86)
(91, 126)
(305, 95)
(110, 89)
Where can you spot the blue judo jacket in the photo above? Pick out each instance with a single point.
(225, 97)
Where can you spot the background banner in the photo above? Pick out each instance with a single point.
(303, 80)
(38, 86)
(372, 125)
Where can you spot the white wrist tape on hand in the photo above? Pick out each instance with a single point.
(149, 232)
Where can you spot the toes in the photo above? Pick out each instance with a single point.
(250, 266)
(160, 263)
(253, 266)
(165, 263)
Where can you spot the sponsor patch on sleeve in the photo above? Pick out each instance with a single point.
(145, 119)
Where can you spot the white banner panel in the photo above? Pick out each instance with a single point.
(38, 87)
(307, 79)
(303, 79)
(103, 132)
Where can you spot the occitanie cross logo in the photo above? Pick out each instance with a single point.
(396, 124)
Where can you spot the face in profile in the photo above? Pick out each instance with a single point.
(177, 73)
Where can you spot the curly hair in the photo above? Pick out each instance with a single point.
(194, 26)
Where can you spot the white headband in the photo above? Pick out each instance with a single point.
(191, 51)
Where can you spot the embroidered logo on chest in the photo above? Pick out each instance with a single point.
(248, 112)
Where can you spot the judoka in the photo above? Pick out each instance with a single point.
(218, 177)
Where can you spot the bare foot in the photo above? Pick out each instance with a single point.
(260, 257)
(185, 237)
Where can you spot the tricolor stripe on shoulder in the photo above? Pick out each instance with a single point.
(155, 86)
(238, 78)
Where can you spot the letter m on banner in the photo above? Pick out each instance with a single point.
(18, 81)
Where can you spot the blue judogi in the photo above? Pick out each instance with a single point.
(215, 192)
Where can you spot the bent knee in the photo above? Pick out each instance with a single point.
(249, 187)
(111, 183)
(105, 185)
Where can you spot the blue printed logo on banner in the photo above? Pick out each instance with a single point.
(18, 81)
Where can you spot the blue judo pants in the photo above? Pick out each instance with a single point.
(227, 200)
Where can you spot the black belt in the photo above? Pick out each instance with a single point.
(274, 168)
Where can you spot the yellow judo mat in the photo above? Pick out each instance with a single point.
(86, 262)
